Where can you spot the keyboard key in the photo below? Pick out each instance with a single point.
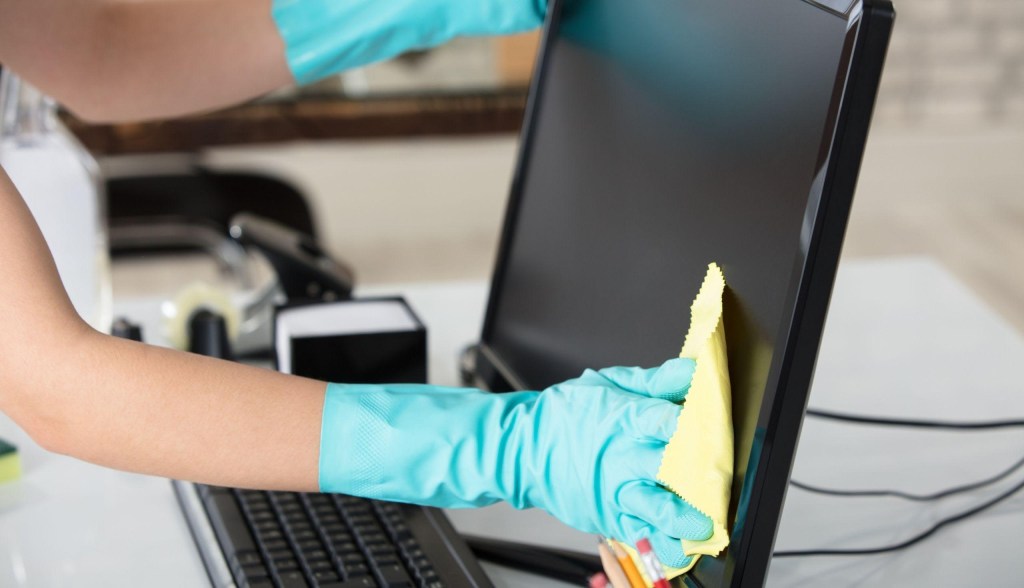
(400, 531)
(315, 555)
(267, 526)
(427, 576)
(322, 576)
(245, 558)
(270, 536)
(309, 544)
(330, 519)
(321, 565)
(351, 558)
(293, 580)
(362, 519)
(394, 576)
(386, 561)
(258, 516)
(412, 553)
(275, 545)
(281, 554)
(357, 570)
(373, 538)
(343, 547)
(366, 582)
(286, 565)
(255, 572)
(420, 562)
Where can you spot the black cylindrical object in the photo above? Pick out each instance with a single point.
(208, 335)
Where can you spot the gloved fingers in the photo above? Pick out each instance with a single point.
(589, 377)
(644, 461)
(668, 549)
(670, 381)
(654, 419)
(665, 511)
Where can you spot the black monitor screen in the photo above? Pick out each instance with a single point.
(664, 135)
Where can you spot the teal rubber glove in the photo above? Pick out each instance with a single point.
(587, 451)
(323, 37)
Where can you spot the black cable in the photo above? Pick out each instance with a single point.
(908, 496)
(561, 564)
(909, 542)
(926, 424)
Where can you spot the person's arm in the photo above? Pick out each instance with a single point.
(136, 407)
(138, 59)
(135, 59)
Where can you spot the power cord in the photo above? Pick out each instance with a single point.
(911, 541)
(915, 423)
(924, 424)
(908, 496)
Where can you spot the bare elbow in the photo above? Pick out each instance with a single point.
(28, 414)
(28, 408)
(32, 391)
(50, 438)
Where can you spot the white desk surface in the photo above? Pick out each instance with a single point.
(904, 338)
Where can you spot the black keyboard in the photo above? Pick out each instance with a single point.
(288, 539)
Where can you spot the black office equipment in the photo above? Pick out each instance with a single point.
(663, 135)
(304, 270)
(367, 340)
(567, 566)
(208, 334)
(126, 329)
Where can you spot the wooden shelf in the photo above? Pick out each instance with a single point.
(311, 119)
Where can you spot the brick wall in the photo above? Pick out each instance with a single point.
(955, 63)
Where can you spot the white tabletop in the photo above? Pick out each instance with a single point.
(904, 338)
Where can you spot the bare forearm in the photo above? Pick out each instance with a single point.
(136, 407)
(135, 59)
(145, 409)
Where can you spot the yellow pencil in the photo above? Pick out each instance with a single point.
(616, 576)
(632, 574)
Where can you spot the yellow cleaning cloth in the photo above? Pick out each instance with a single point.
(698, 460)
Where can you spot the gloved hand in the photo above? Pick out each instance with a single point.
(587, 450)
(323, 37)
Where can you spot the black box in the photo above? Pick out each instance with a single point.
(365, 341)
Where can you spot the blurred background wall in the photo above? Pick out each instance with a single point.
(955, 63)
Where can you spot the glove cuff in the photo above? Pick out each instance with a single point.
(447, 447)
(354, 435)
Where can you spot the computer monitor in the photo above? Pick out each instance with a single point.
(660, 136)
